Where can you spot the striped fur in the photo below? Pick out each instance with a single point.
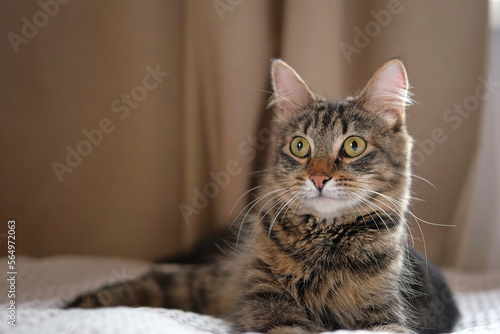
(311, 260)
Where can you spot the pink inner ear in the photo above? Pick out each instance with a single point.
(291, 91)
(392, 75)
(387, 92)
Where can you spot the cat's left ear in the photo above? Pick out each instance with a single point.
(290, 91)
(387, 93)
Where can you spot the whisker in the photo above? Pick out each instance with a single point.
(369, 204)
(220, 248)
(259, 171)
(407, 229)
(394, 201)
(279, 201)
(405, 207)
(359, 209)
(294, 196)
(264, 206)
(289, 206)
(361, 214)
(252, 205)
(420, 178)
(239, 198)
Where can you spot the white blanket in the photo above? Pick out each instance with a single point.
(42, 286)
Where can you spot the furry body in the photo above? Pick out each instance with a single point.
(324, 245)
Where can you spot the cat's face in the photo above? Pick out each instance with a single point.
(347, 157)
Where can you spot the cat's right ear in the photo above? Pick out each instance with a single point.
(387, 93)
(290, 91)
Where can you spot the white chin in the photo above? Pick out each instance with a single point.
(326, 206)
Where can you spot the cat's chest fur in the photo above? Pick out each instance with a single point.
(335, 271)
(354, 245)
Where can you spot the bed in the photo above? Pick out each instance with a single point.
(42, 287)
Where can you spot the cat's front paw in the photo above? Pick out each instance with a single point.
(393, 328)
(288, 330)
(111, 295)
(88, 300)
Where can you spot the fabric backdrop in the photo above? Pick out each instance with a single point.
(172, 95)
(475, 243)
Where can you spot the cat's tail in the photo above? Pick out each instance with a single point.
(195, 288)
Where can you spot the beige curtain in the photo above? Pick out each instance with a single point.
(178, 149)
(475, 244)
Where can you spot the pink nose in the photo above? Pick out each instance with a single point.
(319, 180)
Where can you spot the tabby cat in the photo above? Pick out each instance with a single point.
(325, 245)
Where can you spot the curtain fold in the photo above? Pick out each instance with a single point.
(475, 245)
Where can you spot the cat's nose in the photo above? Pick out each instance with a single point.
(319, 180)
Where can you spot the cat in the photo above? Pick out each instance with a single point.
(325, 243)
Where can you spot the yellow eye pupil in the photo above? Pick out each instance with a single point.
(300, 147)
(354, 146)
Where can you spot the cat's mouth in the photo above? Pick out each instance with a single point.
(322, 198)
(327, 204)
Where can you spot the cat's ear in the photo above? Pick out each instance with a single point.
(290, 91)
(387, 92)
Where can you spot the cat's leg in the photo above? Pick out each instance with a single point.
(386, 314)
(148, 290)
(388, 318)
(190, 288)
(272, 311)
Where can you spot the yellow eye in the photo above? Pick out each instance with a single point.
(300, 147)
(354, 146)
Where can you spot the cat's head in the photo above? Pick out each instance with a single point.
(347, 157)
